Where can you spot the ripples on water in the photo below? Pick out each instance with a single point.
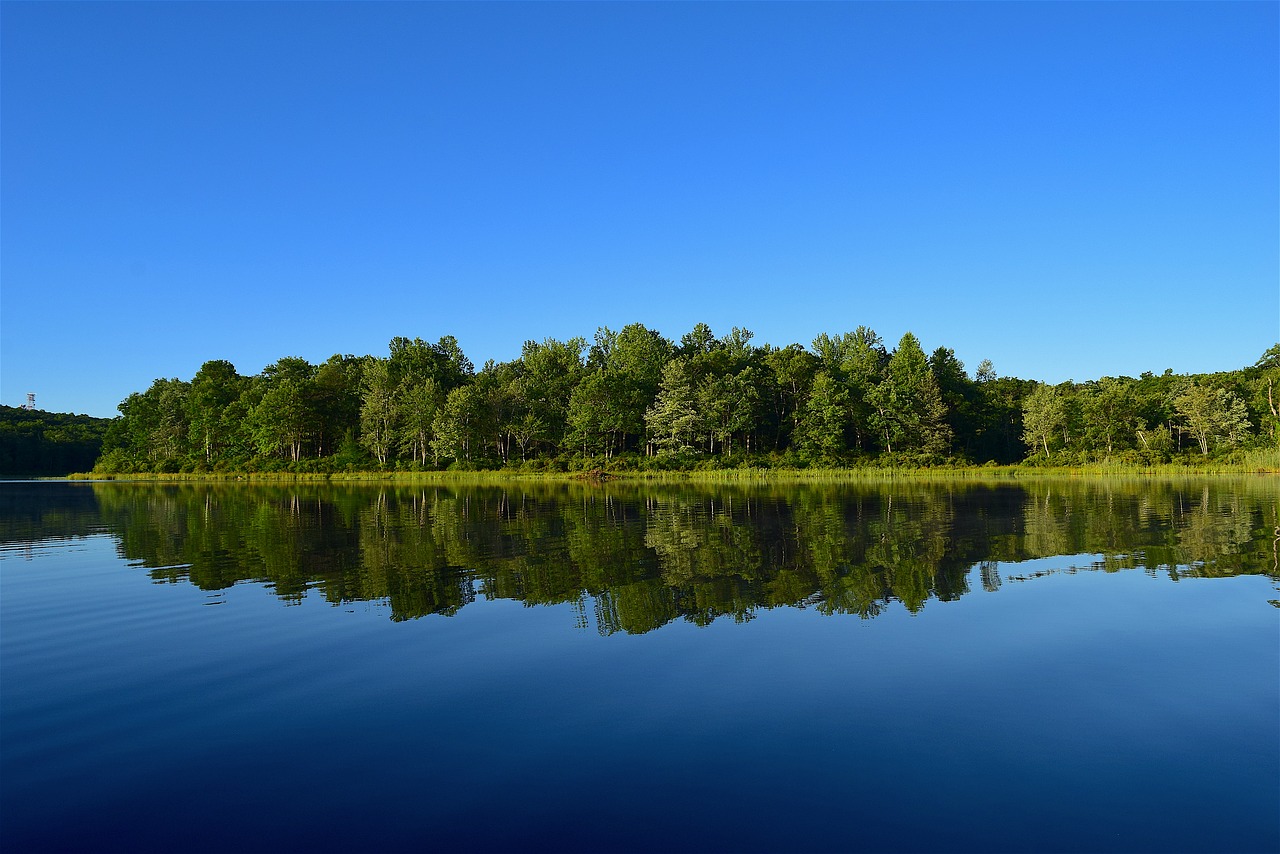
(1055, 666)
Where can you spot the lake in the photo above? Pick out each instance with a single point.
(1044, 665)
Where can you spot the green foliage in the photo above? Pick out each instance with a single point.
(1044, 419)
(1215, 417)
(213, 389)
(35, 443)
(674, 420)
(636, 401)
(908, 408)
(820, 437)
(378, 413)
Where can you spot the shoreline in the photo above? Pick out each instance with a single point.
(747, 475)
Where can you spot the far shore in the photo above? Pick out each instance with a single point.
(741, 475)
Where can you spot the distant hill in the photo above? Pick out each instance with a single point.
(35, 443)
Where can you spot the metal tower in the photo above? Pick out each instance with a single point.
(31, 400)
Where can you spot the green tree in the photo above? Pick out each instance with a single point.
(460, 424)
(908, 403)
(1044, 413)
(457, 367)
(726, 406)
(820, 437)
(1108, 410)
(698, 341)
(282, 419)
(998, 424)
(213, 389)
(1266, 394)
(378, 409)
(1214, 416)
(49, 444)
(336, 398)
(788, 373)
(414, 362)
(154, 425)
(284, 416)
(737, 346)
(552, 369)
(593, 421)
(417, 406)
(744, 410)
(631, 363)
(673, 420)
(959, 396)
(859, 360)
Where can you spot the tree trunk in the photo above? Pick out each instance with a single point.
(1275, 425)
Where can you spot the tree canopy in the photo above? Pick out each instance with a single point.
(635, 398)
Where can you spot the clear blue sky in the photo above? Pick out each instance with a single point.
(1069, 189)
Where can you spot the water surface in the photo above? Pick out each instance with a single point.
(1057, 666)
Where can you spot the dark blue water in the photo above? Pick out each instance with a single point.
(157, 695)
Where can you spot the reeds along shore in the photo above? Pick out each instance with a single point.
(1265, 463)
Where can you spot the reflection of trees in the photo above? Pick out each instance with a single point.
(402, 561)
(1215, 531)
(910, 541)
(708, 550)
(1048, 524)
(990, 572)
(637, 558)
(872, 548)
(1200, 527)
(30, 512)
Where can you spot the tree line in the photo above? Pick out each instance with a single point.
(35, 443)
(636, 399)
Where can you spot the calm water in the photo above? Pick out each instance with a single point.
(1049, 667)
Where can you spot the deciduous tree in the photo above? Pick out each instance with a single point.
(1214, 416)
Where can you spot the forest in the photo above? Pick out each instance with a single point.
(35, 443)
(636, 400)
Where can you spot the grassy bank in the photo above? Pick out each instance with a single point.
(1255, 463)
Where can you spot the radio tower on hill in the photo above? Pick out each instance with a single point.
(31, 400)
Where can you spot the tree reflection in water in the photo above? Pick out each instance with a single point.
(633, 558)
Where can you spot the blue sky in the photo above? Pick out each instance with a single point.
(1069, 189)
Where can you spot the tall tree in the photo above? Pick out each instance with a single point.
(285, 417)
(823, 420)
(858, 359)
(1214, 416)
(698, 341)
(378, 409)
(959, 395)
(737, 345)
(1108, 413)
(594, 417)
(552, 369)
(908, 404)
(1043, 415)
(417, 406)
(790, 371)
(674, 419)
(336, 399)
(155, 424)
(282, 419)
(213, 389)
(1266, 393)
(461, 424)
